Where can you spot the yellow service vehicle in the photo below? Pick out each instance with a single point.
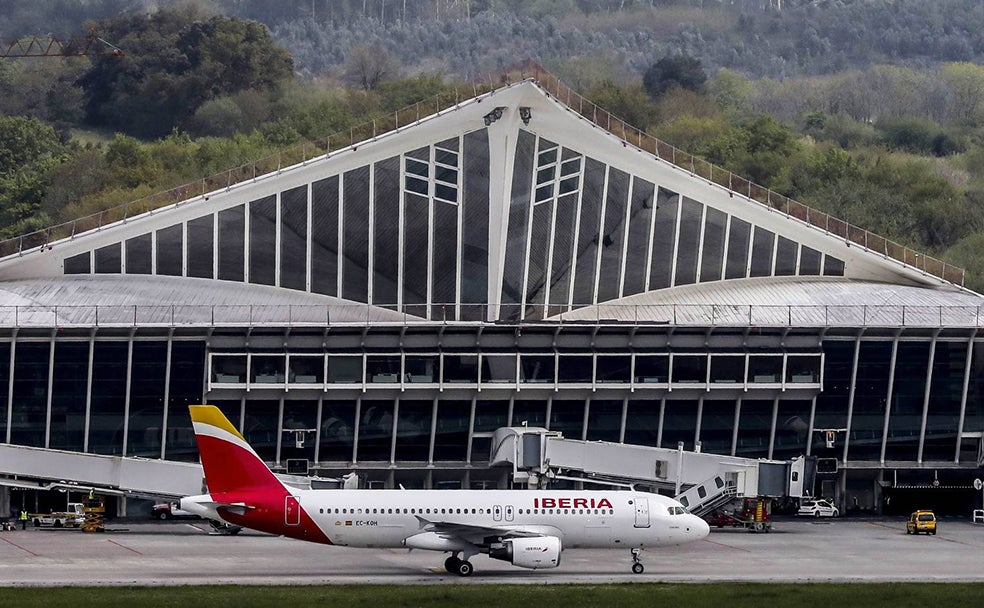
(921, 521)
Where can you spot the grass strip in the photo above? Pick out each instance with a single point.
(750, 595)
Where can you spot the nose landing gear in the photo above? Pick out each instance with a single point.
(637, 567)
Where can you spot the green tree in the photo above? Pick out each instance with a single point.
(965, 82)
(674, 71)
(28, 149)
(966, 253)
(732, 93)
(825, 164)
(630, 103)
(176, 60)
(915, 135)
(768, 147)
(130, 162)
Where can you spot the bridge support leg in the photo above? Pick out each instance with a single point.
(4, 502)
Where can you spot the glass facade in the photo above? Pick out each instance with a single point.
(412, 233)
(901, 400)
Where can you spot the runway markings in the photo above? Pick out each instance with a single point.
(123, 546)
(25, 549)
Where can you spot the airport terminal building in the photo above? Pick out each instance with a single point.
(519, 258)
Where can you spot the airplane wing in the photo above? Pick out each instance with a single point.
(478, 534)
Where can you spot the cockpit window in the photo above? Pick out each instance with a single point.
(677, 511)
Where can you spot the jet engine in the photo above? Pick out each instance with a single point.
(534, 553)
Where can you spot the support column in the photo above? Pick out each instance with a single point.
(889, 395)
(4, 502)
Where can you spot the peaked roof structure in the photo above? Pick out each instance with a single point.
(525, 203)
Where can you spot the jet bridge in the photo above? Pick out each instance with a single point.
(45, 469)
(700, 481)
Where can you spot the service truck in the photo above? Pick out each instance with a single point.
(73, 516)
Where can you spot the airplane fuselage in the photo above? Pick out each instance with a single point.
(387, 518)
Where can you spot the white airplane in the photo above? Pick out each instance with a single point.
(527, 528)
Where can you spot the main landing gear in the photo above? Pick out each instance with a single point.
(456, 565)
(637, 567)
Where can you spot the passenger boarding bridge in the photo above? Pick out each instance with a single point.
(47, 469)
(701, 482)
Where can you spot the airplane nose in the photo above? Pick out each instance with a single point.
(699, 527)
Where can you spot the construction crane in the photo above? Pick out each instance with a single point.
(50, 46)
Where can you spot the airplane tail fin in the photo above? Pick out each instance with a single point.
(230, 463)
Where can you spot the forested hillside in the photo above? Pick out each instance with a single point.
(895, 144)
(752, 37)
(470, 38)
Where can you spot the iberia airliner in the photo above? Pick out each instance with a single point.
(526, 528)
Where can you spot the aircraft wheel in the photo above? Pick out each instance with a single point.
(451, 564)
(464, 568)
(638, 568)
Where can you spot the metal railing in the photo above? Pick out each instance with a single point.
(361, 315)
(411, 115)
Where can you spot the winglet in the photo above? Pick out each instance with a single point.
(230, 463)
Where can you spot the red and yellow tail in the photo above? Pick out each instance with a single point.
(230, 463)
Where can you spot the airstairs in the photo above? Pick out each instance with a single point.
(701, 482)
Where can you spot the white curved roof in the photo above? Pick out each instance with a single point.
(146, 291)
(802, 301)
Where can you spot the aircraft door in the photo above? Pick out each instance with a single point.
(292, 511)
(641, 512)
(509, 513)
(497, 513)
